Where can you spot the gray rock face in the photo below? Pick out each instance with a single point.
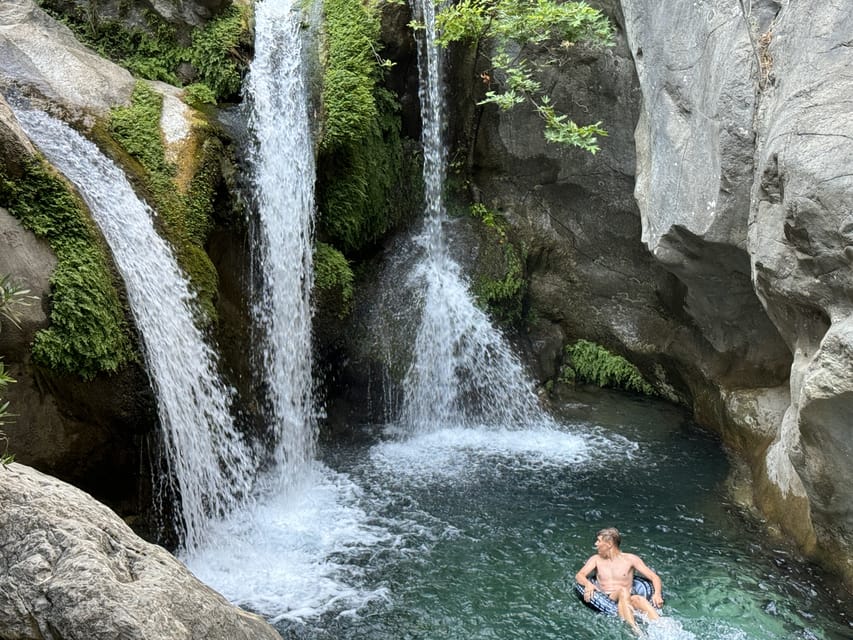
(727, 276)
(801, 244)
(70, 569)
(576, 212)
(698, 74)
(41, 56)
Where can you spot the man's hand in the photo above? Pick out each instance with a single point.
(588, 590)
(657, 600)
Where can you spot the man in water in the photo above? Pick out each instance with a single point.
(614, 575)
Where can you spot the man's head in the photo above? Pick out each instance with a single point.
(609, 536)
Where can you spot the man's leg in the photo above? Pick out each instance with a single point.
(640, 603)
(623, 606)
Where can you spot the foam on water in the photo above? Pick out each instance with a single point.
(445, 453)
(292, 555)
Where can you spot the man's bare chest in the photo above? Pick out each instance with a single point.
(614, 570)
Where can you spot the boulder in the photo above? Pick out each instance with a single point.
(42, 58)
(73, 570)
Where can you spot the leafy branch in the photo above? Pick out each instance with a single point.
(12, 299)
(5, 378)
(512, 28)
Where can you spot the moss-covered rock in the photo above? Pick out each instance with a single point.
(181, 187)
(88, 333)
(361, 167)
(206, 46)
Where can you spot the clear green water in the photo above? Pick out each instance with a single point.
(486, 534)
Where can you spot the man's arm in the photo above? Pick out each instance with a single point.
(582, 578)
(640, 566)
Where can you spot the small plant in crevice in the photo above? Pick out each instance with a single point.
(585, 361)
(13, 300)
(501, 284)
(333, 279)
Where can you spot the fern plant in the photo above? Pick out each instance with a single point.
(590, 362)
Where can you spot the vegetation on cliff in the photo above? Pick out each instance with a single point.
(88, 333)
(589, 362)
(505, 34)
(184, 199)
(500, 285)
(333, 279)
(5, 379)
(212, 58)
(364, 179)
(12, 300)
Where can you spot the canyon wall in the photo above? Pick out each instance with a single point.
(709, 239)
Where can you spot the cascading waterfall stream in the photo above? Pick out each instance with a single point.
(463, 371)
(283, 174)
(285, 554)
(206, 456)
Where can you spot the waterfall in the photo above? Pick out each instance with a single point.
(282, 161)
(207, 459)
(464, 372)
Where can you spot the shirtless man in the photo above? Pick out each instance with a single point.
(614, 571)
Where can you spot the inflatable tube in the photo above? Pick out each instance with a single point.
(603, 604)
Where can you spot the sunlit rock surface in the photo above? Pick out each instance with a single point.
(801, 243)
(71, 569)
(42, 56)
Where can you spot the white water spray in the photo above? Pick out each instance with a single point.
(285, 555)
(206, 456)
(283, 174)
(463, 371)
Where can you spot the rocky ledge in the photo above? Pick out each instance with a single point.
(71, 569)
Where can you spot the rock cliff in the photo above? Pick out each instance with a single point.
(726, 273)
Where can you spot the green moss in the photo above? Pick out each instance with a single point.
(153, 50)
(137, 129)
(185, 211)
(590, 362)
(199, 94)
(503, 296)
(88, 333)
(361, 164)
(333, 279)
(501, 285)
(215, 51)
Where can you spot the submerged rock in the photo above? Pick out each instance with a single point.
(72, 569)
